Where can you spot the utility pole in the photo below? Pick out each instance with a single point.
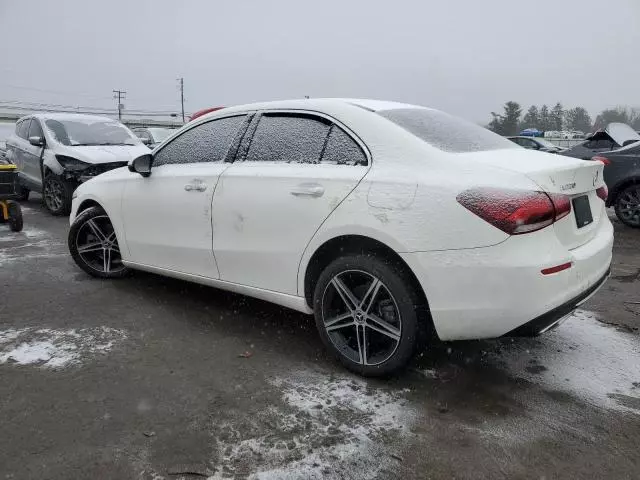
(120, 95)
(182, 96)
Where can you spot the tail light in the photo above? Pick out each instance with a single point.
(599, 158)
(603, 192)
(516, 211)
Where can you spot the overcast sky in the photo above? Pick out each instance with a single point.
(464, 56)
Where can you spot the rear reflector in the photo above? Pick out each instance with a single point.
(602, 159)
(515, 211)
(556, 269)
(603, 193)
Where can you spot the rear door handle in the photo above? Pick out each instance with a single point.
(308, 190)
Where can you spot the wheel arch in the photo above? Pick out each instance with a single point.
(620, 186)
(352, 243)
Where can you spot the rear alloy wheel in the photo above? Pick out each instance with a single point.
(367, 314)
(57, 195)
(94, 246)
(628, 206)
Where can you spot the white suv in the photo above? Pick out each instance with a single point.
(56, 152)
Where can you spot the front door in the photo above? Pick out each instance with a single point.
(167, 216)
(296, 170)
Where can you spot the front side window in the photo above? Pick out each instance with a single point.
(288, 138)
(207, 142)
(84, 132)
(446, 132)
(35, 130)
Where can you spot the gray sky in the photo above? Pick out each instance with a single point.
(466, 57)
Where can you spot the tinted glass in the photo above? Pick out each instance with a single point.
(35, 130)
(341, 149)
(288, 138)
(446, 132)
(23, 130)
(207, 142)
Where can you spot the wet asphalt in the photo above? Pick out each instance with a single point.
(154, 378)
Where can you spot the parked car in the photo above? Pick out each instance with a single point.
(390, 222)
(536, 144)
(153, 136)
(614, 136)
(204, 111)
(622, 176)
(531, 132)
(55, 152)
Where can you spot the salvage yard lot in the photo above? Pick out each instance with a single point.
(151, 377)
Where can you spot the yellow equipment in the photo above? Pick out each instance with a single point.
(10, 211)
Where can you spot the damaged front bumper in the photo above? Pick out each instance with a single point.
(91, 171)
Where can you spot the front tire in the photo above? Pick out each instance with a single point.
(57, 194)
(627, 206)
(368, 314)
(94, 246)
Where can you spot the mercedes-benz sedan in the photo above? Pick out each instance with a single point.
(393, 224)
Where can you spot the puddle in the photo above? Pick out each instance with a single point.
(55, 349)
(597, 363)
(331, 427)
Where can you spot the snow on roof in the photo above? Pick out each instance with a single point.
(79, 117)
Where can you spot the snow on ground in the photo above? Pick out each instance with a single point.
(329, 428)
(584, 357)
(31, 243)
(49, 348)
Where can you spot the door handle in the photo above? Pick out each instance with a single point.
(308, 190)
(196, 185)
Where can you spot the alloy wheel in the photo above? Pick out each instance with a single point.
(97, 245)
(629, 206)
(361, 317)
(53, 195)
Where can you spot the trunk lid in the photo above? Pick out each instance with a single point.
(557, 174)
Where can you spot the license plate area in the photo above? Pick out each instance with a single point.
(582, 211)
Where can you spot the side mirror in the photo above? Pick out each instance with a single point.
(142, 165)
(36, 141)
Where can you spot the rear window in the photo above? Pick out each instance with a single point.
(446, 132)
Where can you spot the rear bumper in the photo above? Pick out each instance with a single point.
(553, 318)
(494, 291)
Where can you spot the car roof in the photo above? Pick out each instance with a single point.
(317, 103)
(69, 116)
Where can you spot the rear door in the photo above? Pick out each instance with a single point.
(293, 170)
(33, 154)
(167, 216)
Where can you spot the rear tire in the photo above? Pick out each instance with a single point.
(57, 193)
(375, 326)
(94, 246)
(627, 206)
(22, 193)
(15, 216)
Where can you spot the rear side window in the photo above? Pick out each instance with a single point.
(35, 130)
(208, 142)
(288, 138)
(599, 144)
(341, 149)
(446, 132)
(23, 129)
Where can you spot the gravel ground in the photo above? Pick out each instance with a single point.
(153, 378)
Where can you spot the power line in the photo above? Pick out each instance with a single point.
(120, 95)
(182, 96)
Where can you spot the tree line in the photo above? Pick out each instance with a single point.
(545, 118)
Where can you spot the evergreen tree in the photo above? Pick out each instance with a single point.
(557, 117)
(545, 123)
(531, 118)
(579, 119)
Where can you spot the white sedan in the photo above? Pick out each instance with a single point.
(391, 223)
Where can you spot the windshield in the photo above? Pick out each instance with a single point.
(83, 132)
(446, 132)
(160, 134)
